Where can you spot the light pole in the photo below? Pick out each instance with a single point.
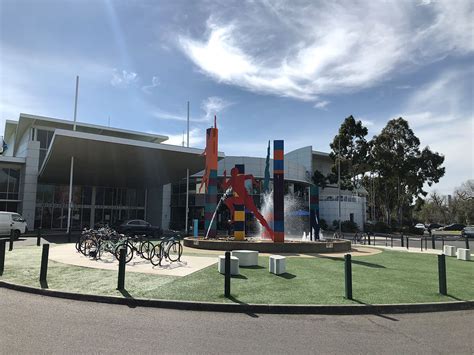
(339, 183)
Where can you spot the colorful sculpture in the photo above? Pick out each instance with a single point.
(278, 192)
(242, 198)
(209, 179)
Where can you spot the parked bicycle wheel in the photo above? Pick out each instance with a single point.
(147, 250)
(175, 250)
(89, 247)
(157, 255)
(128, 253)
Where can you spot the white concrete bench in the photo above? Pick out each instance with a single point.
(277, 264)
(246, 257)
(463, 254)
(234, 265)
(449, 250)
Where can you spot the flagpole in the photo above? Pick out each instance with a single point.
(71, 171)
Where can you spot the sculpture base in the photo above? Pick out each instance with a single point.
(265, 246)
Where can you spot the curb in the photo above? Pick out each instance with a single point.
(251, 308)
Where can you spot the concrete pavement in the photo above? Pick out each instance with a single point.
(38, 324)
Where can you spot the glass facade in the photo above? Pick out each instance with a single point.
(44, 137)
(97, 205)
(9, 189)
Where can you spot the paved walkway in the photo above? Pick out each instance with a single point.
(67, 254)
(414, 250)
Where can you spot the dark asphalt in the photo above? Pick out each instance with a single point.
(39, 324)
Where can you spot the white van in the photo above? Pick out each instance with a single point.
(12, 220)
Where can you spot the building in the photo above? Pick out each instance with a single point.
(120, 174)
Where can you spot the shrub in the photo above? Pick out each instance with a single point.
(323, 224)
(382, 227)
(349, 226)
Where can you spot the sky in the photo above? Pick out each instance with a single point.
(291, 70)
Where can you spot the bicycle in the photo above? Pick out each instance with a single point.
(169, 249)
(135, 245)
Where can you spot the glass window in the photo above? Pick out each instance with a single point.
(109, 196)
(3, 183)
(99, 196)
(61, 194)
(141, 198)
(42, 137)
(86, 196)
(76, 195)
(132, 197)
(42, 157)
(98, 214)
(50, 138)
(13, 179)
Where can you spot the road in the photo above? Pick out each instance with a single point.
(39, 324)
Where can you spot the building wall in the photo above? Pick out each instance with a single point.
(329, 209)
(28, 183)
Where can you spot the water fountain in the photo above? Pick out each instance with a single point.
(281, 217)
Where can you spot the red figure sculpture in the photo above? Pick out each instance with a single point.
(241, 196)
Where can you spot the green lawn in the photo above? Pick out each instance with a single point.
(388, 277)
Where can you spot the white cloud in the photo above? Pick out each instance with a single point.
(154, 83)
(367, 123)
(123, 79)
(315, 48)
(321, 104)
(211, 106)
(441, 115)
(196, 138)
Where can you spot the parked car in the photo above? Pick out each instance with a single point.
(468, 231)
(453, 227)
(420, 226)
(432, 226)
(137, 226)
(12, 221)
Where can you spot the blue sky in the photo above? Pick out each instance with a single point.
(288, 70)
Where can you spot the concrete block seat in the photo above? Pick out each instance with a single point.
(234, 265)
(277, 264)
(246, 257)
(449, 250)
(463, 254)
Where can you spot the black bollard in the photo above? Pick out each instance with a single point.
(2, 256)
(443, 289)
(368, 238)
(385, 240)
(391, 242)
(402, 241)
(348, 275)
(433, 245)
(408, 241)
(442, 243)
(38, 237)
(121, 270)
(12, 237)
(466, 239)
(44, 263)
(227, 274)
